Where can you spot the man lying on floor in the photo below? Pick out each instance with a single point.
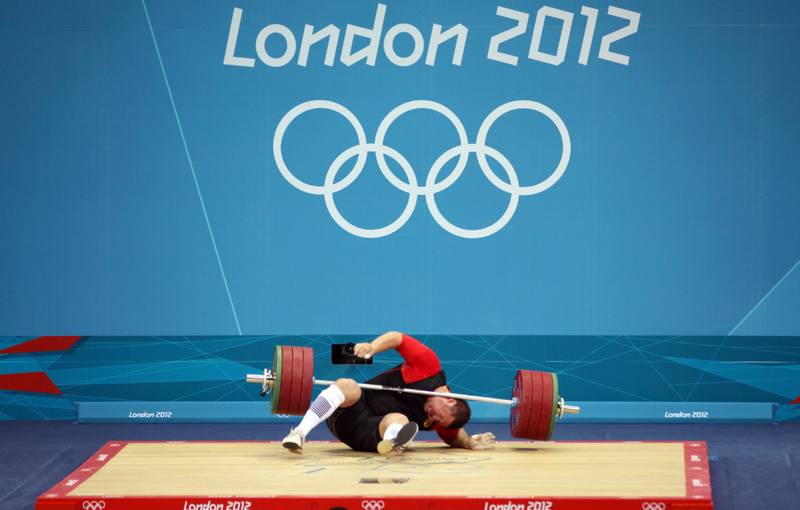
(387, 421)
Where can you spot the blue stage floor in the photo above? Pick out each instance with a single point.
(752, 466)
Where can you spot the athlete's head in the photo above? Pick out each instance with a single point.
(461, 414)
(450, 413)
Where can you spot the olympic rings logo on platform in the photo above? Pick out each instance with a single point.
(654, 506)
(431, 187)
(372, 505)
(94, 505)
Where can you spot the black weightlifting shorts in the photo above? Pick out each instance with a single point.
(357, 426)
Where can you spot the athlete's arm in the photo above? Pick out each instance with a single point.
(475, 442)
(386, 341)
(421, 361)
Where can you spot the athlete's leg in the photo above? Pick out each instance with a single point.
(391, 423)
(343, 393)
(350, 389)
(397, 433)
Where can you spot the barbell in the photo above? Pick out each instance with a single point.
(534, 402)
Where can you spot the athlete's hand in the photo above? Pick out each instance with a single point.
(363, 350)
(481, 441)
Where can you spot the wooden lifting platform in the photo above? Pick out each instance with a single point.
(517, 475)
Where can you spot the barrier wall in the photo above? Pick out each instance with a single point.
(614, 379)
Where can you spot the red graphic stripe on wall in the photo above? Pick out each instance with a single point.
(34, 382)
(795, 401)
(43, 344)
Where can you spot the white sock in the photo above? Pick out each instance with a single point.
(325, 404)
(392, 431)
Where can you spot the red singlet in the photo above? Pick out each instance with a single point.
(421, 363)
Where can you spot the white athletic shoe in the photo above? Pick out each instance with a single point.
(294, 441)
(401, 442)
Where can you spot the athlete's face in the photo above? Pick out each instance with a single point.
(438, 410)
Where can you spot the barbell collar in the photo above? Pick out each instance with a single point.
(563, 408)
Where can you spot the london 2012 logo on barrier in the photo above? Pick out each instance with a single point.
(431, 186)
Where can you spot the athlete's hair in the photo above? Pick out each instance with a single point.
(461, 413)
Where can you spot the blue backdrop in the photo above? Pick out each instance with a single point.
(140, 191)
(522, 168)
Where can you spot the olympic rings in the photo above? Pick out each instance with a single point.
(372, 505)
(94, 505)
(411, 187)
(654, 506)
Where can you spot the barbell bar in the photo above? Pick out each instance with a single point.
(535, 403)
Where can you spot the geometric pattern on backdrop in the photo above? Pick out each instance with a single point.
(40, 383)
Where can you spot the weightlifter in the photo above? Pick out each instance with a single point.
(387, 421)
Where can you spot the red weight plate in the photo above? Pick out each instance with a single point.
(536, 405)
(287, 380)
(297, 383)
(290, 365)
(547, 407)
(525, 392)
(519, 413)
(308, 379)
(530, 393)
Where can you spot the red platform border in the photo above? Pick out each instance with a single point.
(698, 493)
